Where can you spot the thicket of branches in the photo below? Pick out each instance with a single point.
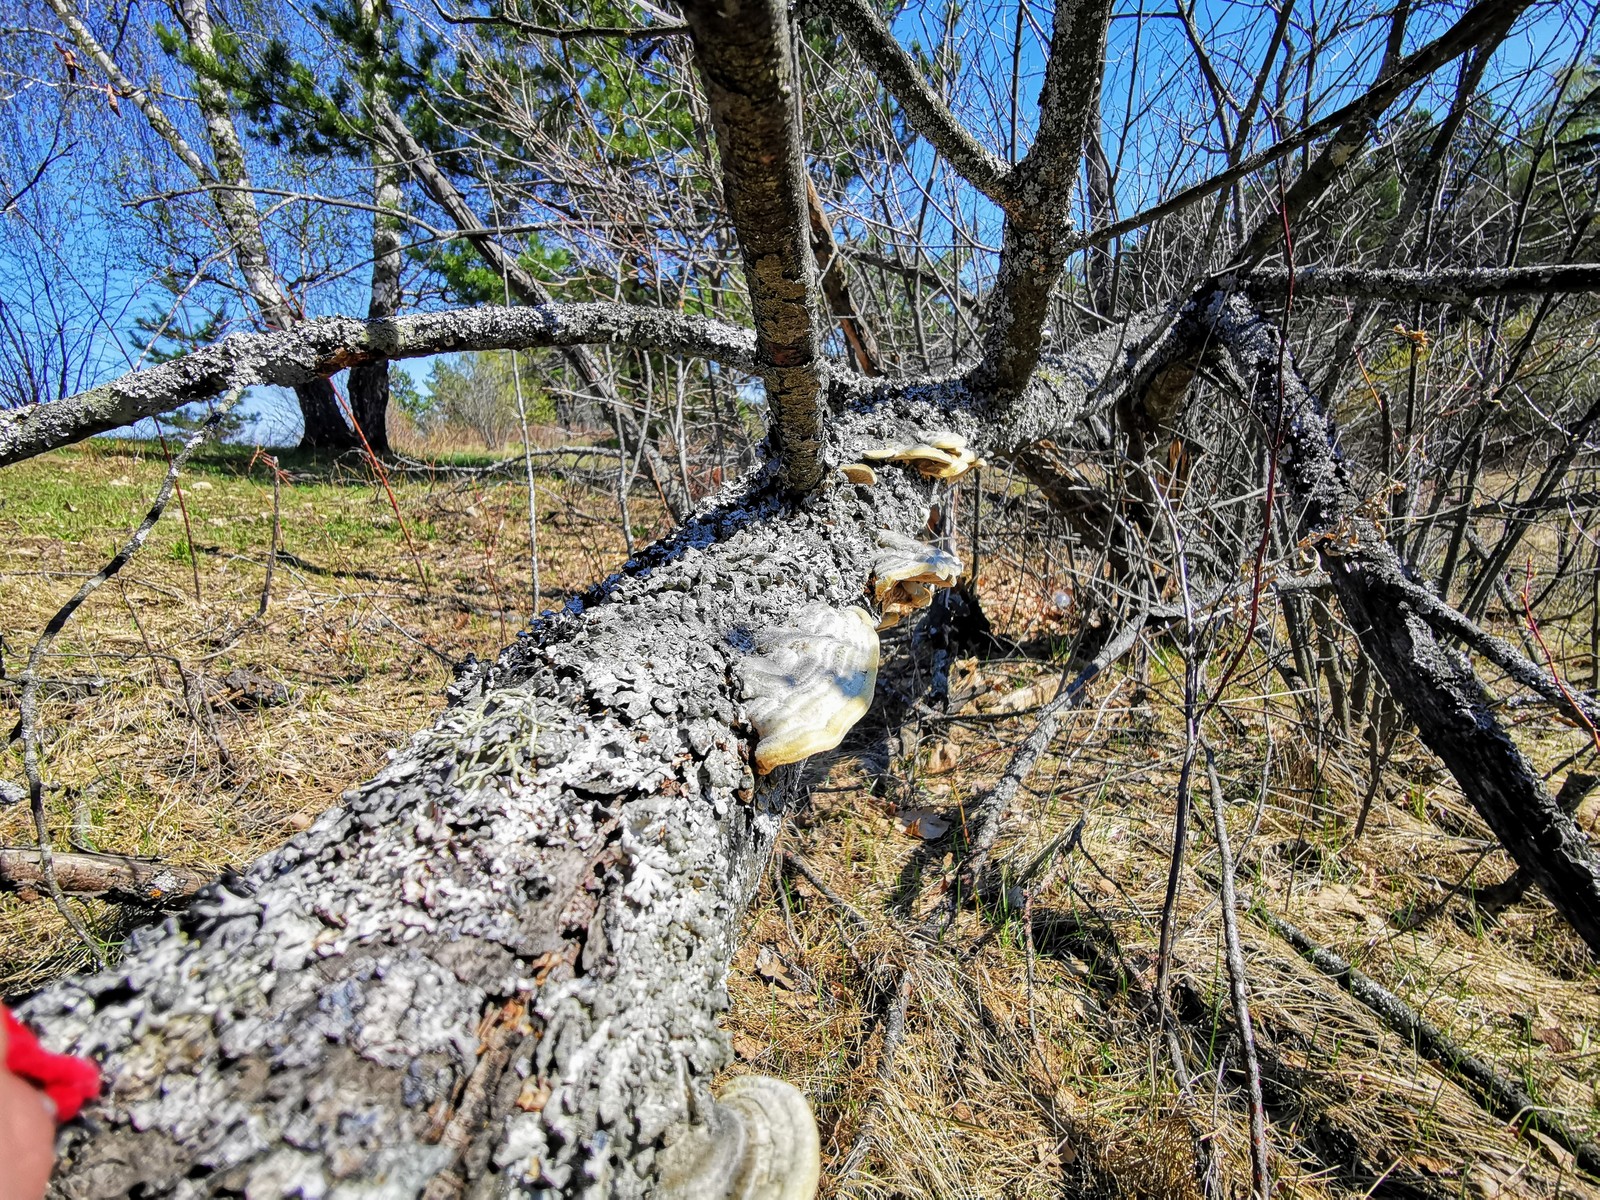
(1288, 312)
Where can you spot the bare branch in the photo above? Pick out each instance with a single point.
(576, 33)
(114, 877)
(318, 349)
(1034, 248)
(1466, 33)
(1439, 691)
(1459, 285)
(904, 80)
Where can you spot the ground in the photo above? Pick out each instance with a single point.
(1028, 1066)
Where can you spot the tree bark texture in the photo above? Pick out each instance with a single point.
(1437, 687)
(747, 69)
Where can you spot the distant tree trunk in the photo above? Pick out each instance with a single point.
(369, 382)
(325, 426)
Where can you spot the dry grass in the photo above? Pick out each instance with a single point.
(360, 646)
(1030, 1067)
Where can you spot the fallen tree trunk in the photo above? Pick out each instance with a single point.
(1437, 687)
(496, 967)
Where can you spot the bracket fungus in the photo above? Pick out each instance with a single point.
(808, 684)
(937, 456)
(859, 473)
(905, 573)
(760, 1143)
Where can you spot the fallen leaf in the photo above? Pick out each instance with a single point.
(1544, 1028)
(944, 757)
(1557, 1153)
(922, 823)
(771, 967)
(747, 1048)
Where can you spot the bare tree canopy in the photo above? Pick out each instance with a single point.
(1258, 299)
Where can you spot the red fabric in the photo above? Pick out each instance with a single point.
(70, 1082)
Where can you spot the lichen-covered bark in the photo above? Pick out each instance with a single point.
(495, 969)
(746, 66)
(311, 352)
(1444, 285)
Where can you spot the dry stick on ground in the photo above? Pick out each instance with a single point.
(272, 544)
(1498, 1093)
(1238, 983)
(894, 1032)
(989, 811)
(113, 877)
(28, 703)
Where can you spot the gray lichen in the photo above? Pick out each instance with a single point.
(495, 969)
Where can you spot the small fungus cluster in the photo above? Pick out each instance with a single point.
(938, 456)
(808, 684)
(905, 573)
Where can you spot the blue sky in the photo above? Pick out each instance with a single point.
(1154, 123)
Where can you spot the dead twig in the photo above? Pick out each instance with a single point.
(1486, 1082)
(28, 703)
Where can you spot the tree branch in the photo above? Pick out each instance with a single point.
(1034, 247)
(318, 349)
(743, 54)
(111, 877)
(1452, 711)
(1461, 285)
(903, 78)
(1466, 33)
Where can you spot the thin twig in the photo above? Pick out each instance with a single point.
(28, 703)
(1496, 1090)
(1239, 986)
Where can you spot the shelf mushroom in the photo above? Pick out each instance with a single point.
(937, 456)
(905, 573)
(808, 684)
(760, 1143)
